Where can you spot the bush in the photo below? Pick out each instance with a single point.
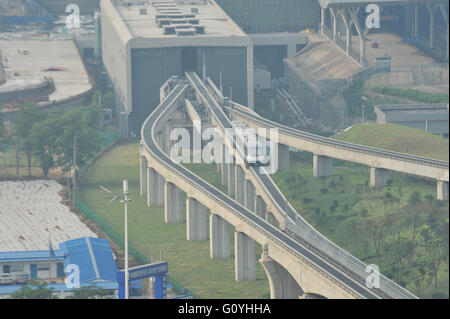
(414, 198)
(324, 190)
(308, 200)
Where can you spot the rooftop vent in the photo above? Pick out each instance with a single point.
(168, 29)
(185, 32)
(194, 10)
(143, 12)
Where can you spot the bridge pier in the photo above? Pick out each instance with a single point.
(195, 220)
(260, 207)
(155, 188)
(219, 237)
(173, 208)
(249, 195)
(379, 176)
(168, 127)
(143, 176)
(322, 166)
(244, 257)
(442, 190)
(283, 156)
(239, 185)
(231, 179)
(224, 173)
(272, 220)
(282, 284)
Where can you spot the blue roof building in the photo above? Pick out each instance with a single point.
(93, 258)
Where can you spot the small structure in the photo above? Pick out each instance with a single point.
(92, 257)
(432, 118)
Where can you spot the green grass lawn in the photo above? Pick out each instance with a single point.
(345, 209)
(189, 261)
(397, 138)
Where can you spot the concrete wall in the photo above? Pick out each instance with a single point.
(150, 69)
(58, 7)
(116, 53)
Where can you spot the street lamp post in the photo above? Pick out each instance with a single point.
(125, 201)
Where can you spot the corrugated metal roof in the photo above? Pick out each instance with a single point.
(9, 289)
(11, 256)
(93, 256)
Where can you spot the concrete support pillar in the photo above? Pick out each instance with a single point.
(334, 17)
(379, 176)
(231, 179)
(249, 195)
(167, 142)
(244, 257)
(154, 188)
(416, 22)
(442, 190)
(224, 173)
(174, 204)
(362, 49)
(431, 12)
(161, 190)
(322, 166)
(322, 21)
(219, 237)
(282, 284)
(218, 167)
(272, 220)
(283, 156)
(291, 49)
(239, 184)
(195, 220)
(143, 175)
(260, 207)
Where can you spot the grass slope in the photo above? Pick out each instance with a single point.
(346, 210)
(189, 261)
(397, 138)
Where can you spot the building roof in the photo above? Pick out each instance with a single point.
(356, 3)
(13, 256)
(141, 18)
(9, 289)
(414, 107)
(93, 256)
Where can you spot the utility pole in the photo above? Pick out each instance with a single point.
(74, 169)
(125, 201)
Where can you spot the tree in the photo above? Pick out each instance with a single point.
(414, 198)
(36, 289)
(76, 122)
(28, 115)
(89, 292)
(43, 136)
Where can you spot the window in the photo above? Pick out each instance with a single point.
(6, 269)
(43, 267)
(60, 270)
(17, 267)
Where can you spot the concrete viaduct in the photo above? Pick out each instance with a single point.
(295, 266)
(381, 161)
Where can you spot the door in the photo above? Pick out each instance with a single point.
(33, 271)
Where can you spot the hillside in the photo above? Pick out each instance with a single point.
(397, 138)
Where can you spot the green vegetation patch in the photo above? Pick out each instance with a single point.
(397, 138)
(411, 94)
(400, 227)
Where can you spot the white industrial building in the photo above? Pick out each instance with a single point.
(146, 42)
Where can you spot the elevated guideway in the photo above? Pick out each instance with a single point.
(280, 247)
(299, 229)
(381, 161)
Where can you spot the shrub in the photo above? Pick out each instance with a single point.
(414, 198)
(324, 190)
(308, 200)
